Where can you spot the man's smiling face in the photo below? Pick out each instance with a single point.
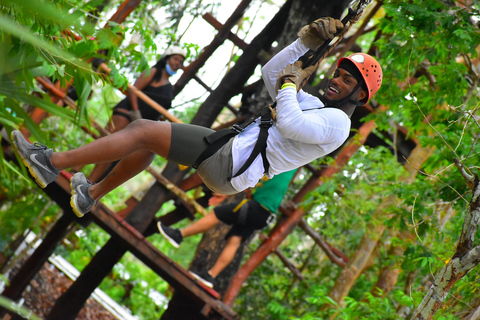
(340, 85)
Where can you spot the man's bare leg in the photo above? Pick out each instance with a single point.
(227, 255)
(116, 124)
(153, 136)
(126, 169)
(201, 225)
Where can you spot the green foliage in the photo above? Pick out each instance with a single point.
(424, 39)
(20, 208)
(18, 309)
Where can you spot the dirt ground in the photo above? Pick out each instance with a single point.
(48, 285)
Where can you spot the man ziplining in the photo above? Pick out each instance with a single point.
(305, 128)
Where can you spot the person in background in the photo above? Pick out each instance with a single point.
(156, 85)
(245, 216)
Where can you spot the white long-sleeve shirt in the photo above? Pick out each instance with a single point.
(303, 132)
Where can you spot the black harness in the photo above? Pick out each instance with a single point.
(217, 139)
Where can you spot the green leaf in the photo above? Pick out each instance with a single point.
(10, 26)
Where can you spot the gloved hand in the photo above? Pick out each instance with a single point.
(135, 115)
(295, 74)
(317, 32)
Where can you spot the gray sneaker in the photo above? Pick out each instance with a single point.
(36, 158)
(81, 201)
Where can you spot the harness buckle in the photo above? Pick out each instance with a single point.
(237, 128)
(264, 123)
(271, 219)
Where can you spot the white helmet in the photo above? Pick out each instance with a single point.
(175, 50)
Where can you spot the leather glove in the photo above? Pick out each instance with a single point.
(135, 115)
(319, 31)
(294, 73)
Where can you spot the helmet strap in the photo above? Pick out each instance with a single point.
(345, 100)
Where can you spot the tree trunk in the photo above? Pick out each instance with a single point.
(448, 276)
(465, 258)
(209, 250)
(181, 307)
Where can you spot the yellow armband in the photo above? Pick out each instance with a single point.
(289, 85)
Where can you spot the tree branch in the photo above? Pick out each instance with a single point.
(465, 258)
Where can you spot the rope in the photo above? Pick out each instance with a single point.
(309, 59)
(352, 16)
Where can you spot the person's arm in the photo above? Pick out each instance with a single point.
(216, 199)
(272, 68)
(142, 81)
(308, 127)
(311, 37)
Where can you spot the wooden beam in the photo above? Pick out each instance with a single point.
(174, 274)
(146, 98)
(231, 36)
(333, 254)
(187, 201)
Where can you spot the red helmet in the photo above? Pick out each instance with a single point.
(370, 70)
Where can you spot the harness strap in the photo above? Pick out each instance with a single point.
(217, 139)
(242, 209)
(261, 144)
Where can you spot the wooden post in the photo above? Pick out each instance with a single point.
(124, 10)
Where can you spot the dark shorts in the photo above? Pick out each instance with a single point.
(256, 218)
(146, 111)
(186, 146)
